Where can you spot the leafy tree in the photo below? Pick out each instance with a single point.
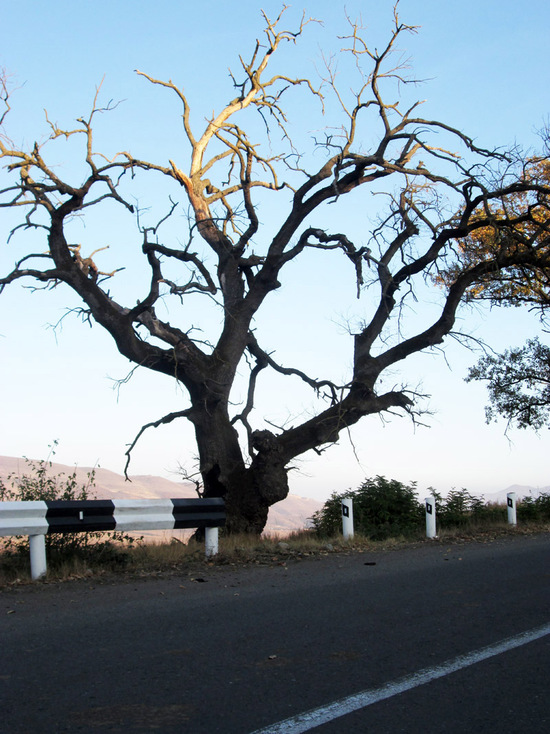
(518, 378)
(440, 189)
(528, 210)
(518, 384)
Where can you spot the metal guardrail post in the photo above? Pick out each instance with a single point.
(37, 546)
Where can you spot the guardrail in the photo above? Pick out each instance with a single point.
(39, 518)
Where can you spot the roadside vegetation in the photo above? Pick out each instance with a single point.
(385, 508)
(387, 514)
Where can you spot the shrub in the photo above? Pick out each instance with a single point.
(536, 509)
(38, 483)
(384, 508)
(381, 508)
(459, 508)
(491, 513)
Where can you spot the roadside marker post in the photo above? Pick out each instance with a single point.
(210, 542)
(511, 502)
(430, 517)
(347, 518)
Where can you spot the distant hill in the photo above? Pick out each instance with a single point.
(290, 514)
(521, 490)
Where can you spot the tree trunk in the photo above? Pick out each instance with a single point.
(248, 491)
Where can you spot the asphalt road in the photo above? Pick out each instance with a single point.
(247, 648)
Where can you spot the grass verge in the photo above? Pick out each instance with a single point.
(166, 558)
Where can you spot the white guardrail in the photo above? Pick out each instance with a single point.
(39, 518)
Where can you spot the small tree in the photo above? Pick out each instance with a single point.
(459, 508)
(440, 189)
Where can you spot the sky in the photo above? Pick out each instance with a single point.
(485, 68)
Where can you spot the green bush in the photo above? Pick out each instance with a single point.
(386, 507)
(381, 508)
(38, 483)
(459, 508)
(491, 513)
(534, 509)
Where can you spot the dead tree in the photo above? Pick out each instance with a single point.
(436, 199)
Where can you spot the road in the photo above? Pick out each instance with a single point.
(245, 648)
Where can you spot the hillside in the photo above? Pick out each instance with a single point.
(521, 490)
(291, 514)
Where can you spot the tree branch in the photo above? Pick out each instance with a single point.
(154, 424)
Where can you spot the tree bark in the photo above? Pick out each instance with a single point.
(249, 491)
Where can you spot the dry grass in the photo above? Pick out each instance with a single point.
(164, 558)
(157, 557)
(15, 570)
(484, 531)
(236, 549)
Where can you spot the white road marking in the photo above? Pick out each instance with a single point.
(322, 715)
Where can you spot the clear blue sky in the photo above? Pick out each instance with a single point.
(485, 62)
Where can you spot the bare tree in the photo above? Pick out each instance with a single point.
(436, 200)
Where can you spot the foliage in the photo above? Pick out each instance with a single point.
(518, 384)
(534, 509)
(38, 483)
(527, 211)
(519, 378)
(459, 508)
(381, 508)
(385, 508)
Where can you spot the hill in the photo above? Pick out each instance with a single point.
(521, 490)
(290, 514)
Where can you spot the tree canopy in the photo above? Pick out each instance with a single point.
(518, 379)
(528, 210)
(518, 382)
(442, 193)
